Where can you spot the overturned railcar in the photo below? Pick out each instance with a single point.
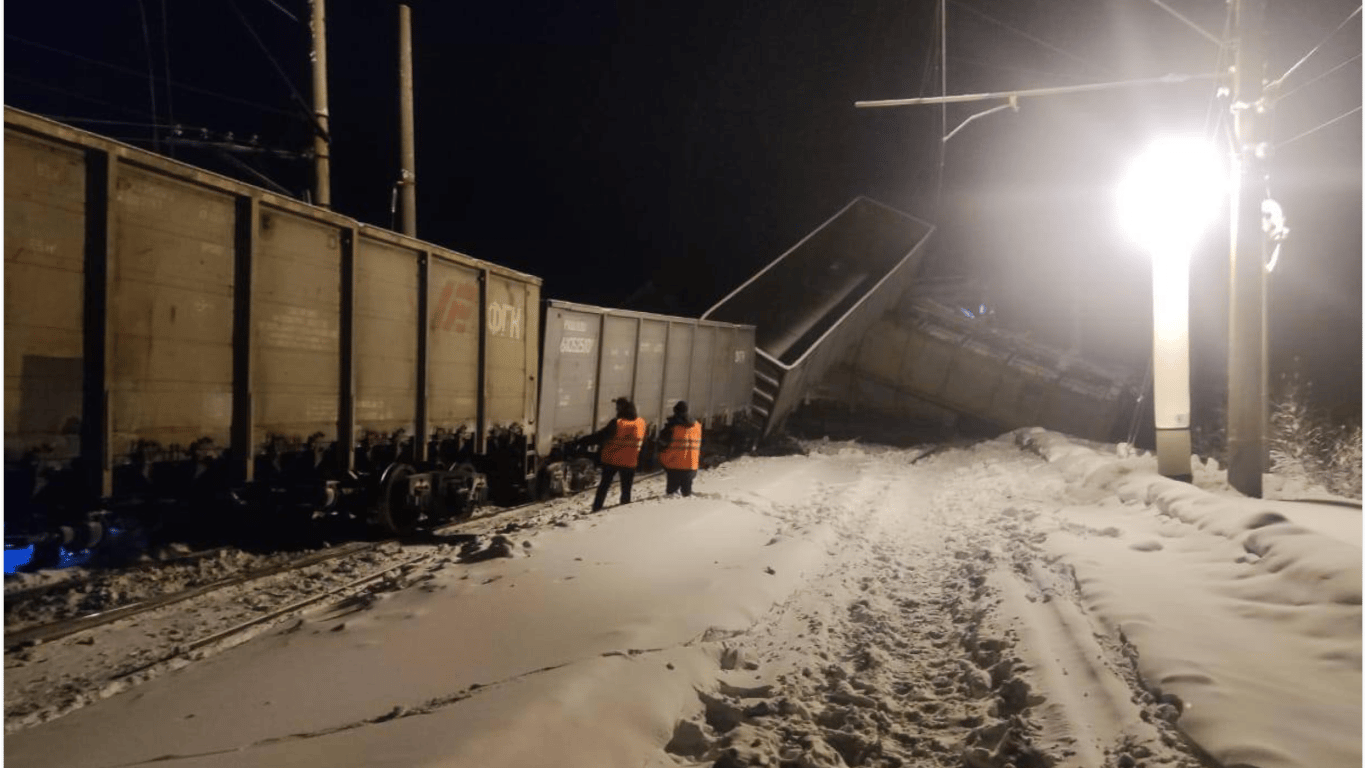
(818, 299)
(926, 355)
(171, 334)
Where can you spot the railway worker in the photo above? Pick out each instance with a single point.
(620, 440)
(682, 439)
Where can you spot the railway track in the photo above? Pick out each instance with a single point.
(67, 626)
(19, 598)
(55, 630)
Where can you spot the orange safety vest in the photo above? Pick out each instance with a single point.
(623, 448)
(685, 445)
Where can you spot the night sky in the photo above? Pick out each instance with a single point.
(655, 155)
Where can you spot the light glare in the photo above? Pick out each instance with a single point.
(1170, 194)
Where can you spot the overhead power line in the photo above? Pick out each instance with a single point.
(166, 60)
(1318, 128)
(151, 74)
(135, 73)
(1201, 30)
(1030, 37)
(127, 123)
(70, 94)
(1319, 77)
(266, 50)
(1275, 84)
(285, 11)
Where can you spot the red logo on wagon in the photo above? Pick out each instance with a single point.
(455, 307)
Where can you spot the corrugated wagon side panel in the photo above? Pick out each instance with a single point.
(510, 311)
(678, 362)
(171, 308)
(569, 373)
(44, 294)
(649, 389)
(723, 371)
(453, 346)
(296, 315)
(616, 376)
(386, 338)
(741, 388)
(700, 382)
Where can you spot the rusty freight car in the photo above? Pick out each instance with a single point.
(171, 334)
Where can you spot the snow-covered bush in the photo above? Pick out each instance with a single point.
(1307, 445)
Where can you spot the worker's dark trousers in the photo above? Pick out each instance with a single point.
(608, 471)
(679, 480)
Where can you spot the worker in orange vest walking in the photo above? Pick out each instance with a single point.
(620, 440)
(682, 439)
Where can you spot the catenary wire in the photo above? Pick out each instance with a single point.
(1315, 49)
(943, 107)
(1307, 83)
(151, 72)
(135, 73)
(284, 10)
(1030, 37)
(1321, 126)
(1214, 117)
(971, 62)
(1199, 29)
(129, 123)
(44, 86)
(166, 63)
(266, 50)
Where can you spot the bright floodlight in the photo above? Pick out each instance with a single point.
(1170, 194)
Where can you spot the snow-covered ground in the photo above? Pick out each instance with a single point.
(1028, 601)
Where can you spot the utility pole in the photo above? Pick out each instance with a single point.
(407, 155)
(322, 169)
(1247, 344)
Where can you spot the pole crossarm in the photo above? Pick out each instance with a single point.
(1012, 104)
(1054, 91)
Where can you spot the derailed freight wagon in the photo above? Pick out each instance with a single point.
(171, 334)
(814, 302)
(593, 355)
(926, 355)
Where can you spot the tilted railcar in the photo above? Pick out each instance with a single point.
(818, 299)
(182, 342)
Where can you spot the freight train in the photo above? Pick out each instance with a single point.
(186, 349)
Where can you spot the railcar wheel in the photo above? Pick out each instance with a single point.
(465, 490)
(397, 513)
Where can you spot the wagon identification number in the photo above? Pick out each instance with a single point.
(576, 345)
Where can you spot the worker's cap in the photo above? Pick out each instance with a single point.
(620, 401)
(680, 407)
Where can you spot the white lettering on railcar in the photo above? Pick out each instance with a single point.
(299, 328)
(504, 320)
(39, 245)
(577, 326)
(576, 345)
(740, 355)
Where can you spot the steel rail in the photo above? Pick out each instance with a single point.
(21, 596)
(56, 630)
(237, 629)
(43, 633)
